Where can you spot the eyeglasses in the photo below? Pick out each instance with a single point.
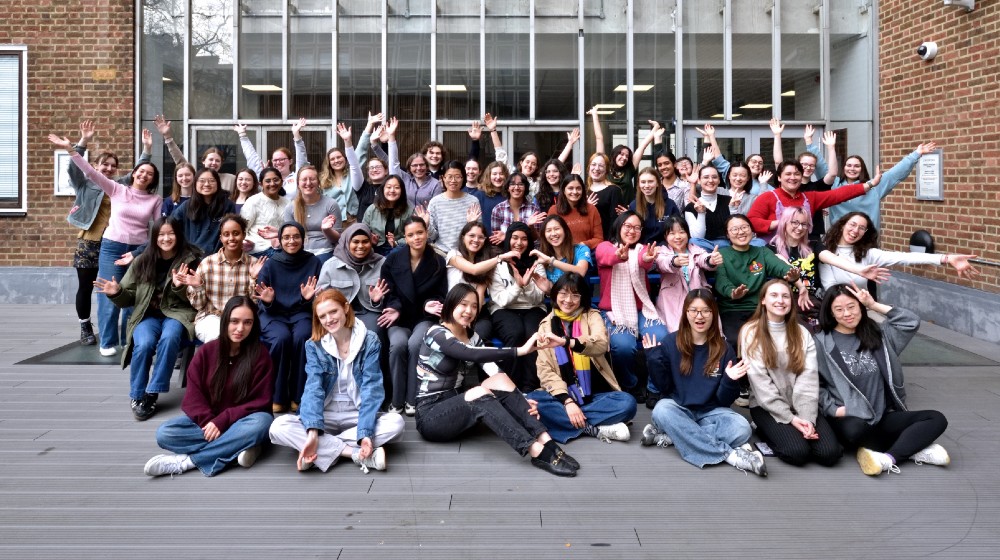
(279, 160)
(858, 227)
(569, 296)
(699, 312)
(630, 227)
(291, 238)
(515, 184)
(418, 165)
(206, 181)
(797, 224)
(741, 229)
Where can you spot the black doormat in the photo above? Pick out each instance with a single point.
(73, 354)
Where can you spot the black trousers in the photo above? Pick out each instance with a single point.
(789, 445)
(514, 327)
(900, 434)
(446, 416)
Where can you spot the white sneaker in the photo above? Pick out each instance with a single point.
(874, 463)
(752, 461)
(651, 435)
(248, 456)
(168, 463)
(614, 432)
(374, 461)
(409, 409)
(395, 410)
(108, 352)
(933, 454)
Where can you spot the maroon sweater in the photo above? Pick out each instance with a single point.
(198, 404)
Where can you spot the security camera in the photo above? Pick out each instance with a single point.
(927, 50)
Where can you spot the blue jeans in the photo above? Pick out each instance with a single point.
(164, 337)
(625, 346)
(181, 435)
(703, 437)
(111, 334)
(603, 410)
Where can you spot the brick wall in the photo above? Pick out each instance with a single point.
(72, 47)
(955, 101)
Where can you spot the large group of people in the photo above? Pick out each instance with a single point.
(350, 296)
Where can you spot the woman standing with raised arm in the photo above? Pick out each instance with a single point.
(862, 392)
(784, 400)
(387, 215)
(264, 212)
(623, 162)
(449, 353)
(132, 208)
(211, 158)
(162, 320)
(755, 163)
(281, 159)
(339, 415)
(420, 185)
(90, 214)
(319, 215)
(808, 160)
(652, 206)
(342, 177)
(604, 195)
(225, 405)
(695, 369)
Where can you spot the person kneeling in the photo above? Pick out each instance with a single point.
(227, 403)
(339, 413)
(579, 394)
(694, 368)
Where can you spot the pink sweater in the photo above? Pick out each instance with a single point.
(607, 257)
(131, 209)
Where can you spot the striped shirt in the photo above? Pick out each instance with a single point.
(131, 209)
(220, 280)
(447, 217)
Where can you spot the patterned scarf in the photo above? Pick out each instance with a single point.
(627, 282)
(573, 367)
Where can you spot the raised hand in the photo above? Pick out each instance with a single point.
(536, 218)
(163, 127)
(877, 178)
(707, 131)
(764, 177)
(87, 130)
(708, 156)
(147, 141)
(739, 291)
(475, 131)
(926, 148)
(264, 293)
(378, 290)
(374, 120)
(297, 127)
(240, 129)
(573, 136)
(308, 290)
(620, 209)
(807, 136)
(421, 212)
(622, 252)
(496, 238)
(649, 341)
(776, 127)
(256, 266)
(345, 133)
(649, 255)
(329, 222)
(125, 260)
(180, 275)
(387, 318)
(576, 170)
(829, 138)
(377, 136)
(473, 213)
(699, 206)
(390, 129)
(107, 287)
(490, 121)
(876, 273)
(268, 232)
(715, 257)
(61, 142)
(737, 371)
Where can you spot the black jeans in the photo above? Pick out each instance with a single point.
(514, 327)
(446, 416)
(900, 434)
(732, 321)
(789, 445)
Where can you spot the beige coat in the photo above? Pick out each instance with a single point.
(594, 337)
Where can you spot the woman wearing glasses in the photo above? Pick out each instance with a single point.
(516, 207)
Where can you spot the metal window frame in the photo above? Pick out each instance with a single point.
(20, 208)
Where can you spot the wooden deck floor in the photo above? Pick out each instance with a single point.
(71, 485)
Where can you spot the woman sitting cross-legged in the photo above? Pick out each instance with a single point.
(451, 351)
(226, 413)
(861, 383)
(784, 400)
(694, 368)
(339, 414)
(579, 394)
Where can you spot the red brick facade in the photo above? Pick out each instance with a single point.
(955, 101)
(73, 48)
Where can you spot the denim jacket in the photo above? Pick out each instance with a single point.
(89, 195)
(321, 376)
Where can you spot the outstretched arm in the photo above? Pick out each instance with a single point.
(598, 133)
(776, 129)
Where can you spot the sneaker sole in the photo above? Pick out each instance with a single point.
(869, 465)
(248, 457)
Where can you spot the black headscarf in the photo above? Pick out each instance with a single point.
(526, 260)
(343, 249)
(297, 258)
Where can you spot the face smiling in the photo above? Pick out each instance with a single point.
(392, 190)
(271, 185)
(777, 302)
(631, 230)
(331, 315)
(166, 240)
(474, 239)
(648, 183)
(797, 228)
(597, 169)
(376, 171)
(466, 310)
(452, 180)
(212, 161)
(472, 171)
(740, 233)
(416, 236)
(709, 180)
(529, 165)
(231, 235)
(567, 301)
(854, 230)
(360, 246)
(847, 311)
(291, 240)
(244, 182)
(519, 241)
(738, 178)
(184, 177)
(552, 175)
(852, 168)
(677, 239)
(699, 316)
(554, 233)
(206, 185)
(573, 192)
(337, 160)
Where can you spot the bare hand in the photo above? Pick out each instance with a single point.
(680, 260)
(107, 287)
(807, 136)
(163, 126)
(807, 430)
(620, 209)
(240, 129)
(87, 130)
(592, 199)
(792, 275)
(211, 432)
(573, 136)
(533, 409)
(497, 238)
(540, 256)
(387, 318)
(529, 346)
(649, 341)
(622, 252)
(264, 293)
(421, 212)
(374, 120)
(390, 238)
(776, 127)
(308, 453)
(863, 295)
(147, 141)
(536, 218)
(877, 178)
(378, 290)
(649, 255)
(829, 138)
(365, 451)
(715, 257)
(804, 301)
(876, 273)
(962, 265)
(473, 213)
(433, 307)
(180, 275)
(390, 129)
(764, 177)
(841, 412)
(308, 290)
(61, 142)
(708, 130)
(329, 222)
(576, 416)
(297, 127)
(926, 148)
(125, 260)
(737, 371)
(268, 232)
(739, 291)
(345, 133)
(256, 266)
(475, 131)
(490, 121)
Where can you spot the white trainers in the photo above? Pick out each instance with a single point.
(108, 352)
(168, 463)
(374, 461)
(248, 456)
(651, 435)
(395, 410)
(410, 409)
(933, 454)
(874, 463)
(752, 461)
(613, 432)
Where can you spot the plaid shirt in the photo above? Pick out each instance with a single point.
(503, 216)
(220, 280)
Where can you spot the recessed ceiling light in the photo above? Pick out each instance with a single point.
(599, 112)
(166, 79)
(756, 106)
(635, 87)
(261, 88)
(609, 105)
(789, 93)
(452, 87)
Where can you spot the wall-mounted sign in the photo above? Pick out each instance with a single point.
(930, 176)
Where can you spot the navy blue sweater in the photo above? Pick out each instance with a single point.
(286, 281)
(696, 390)
(203, 234)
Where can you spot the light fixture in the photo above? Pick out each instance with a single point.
(603, 112)
(789, 93)
(166, 79)
(450, 87)
(261, 88)
(721, 116)
(609, 105)
(756, 106)
(635, 87)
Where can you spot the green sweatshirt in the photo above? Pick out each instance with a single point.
(752, 267)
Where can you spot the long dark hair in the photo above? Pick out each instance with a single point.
(568, 247)
(154, 183)
(545, 198)
(479, 256)
(145, 263)
(198, 209)
(383, 205)
(863, 177)
(526, 260)
(868, 332)
(868, 241)
(456, 294)
(563, 206)
(234, 195)
(241, 370)
(505, 189)
(616, 227)
(715, 341)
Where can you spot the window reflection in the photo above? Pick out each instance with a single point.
(703, 63)
(604, 33)
(655, 53)
(260, 58)
(211, 59)
(310, 50)
(162, 64)
(556, 59)
(751, 40)
(409, 71)
(800, 62)
(458, 66)
(359, 62)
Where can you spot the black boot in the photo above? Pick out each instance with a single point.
(87, 337)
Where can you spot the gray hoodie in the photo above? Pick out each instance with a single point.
(837, 390)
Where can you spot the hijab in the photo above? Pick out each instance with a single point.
(343, 249)
(297, 258)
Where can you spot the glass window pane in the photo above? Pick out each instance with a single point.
(851, 61)
(310, 49)
(604, 71)
(556, 59)
(359, 61)
(800, 62)
(162, 64)
(409, 61)
(508, 54)
(703, 62)
(655, 66)
(315, 141)
(458, 59)
(211, 60)
(752, 27)
(260, 58)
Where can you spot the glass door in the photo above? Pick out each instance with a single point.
(546, 142)
(738, 143)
